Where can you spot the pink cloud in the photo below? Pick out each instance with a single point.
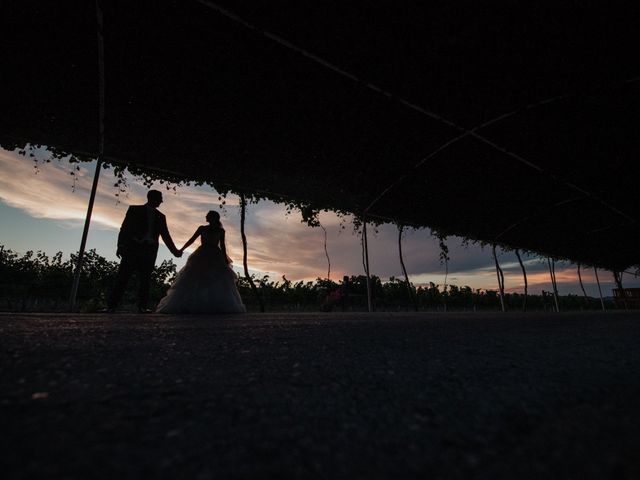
(277, 243)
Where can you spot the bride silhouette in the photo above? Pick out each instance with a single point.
(206, 284)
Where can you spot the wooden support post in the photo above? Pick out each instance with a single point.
(584, 292)
(526, 283)
(254, 289)
(552, 272)
(617, 277)
(500, 276)
(404, 269)
(595, 269)
(365, 247)
(444, 258)
(326, 252)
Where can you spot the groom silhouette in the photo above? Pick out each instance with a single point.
(138, 248)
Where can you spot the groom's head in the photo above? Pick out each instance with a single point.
(154, 198)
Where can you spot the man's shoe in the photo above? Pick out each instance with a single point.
(144, 310)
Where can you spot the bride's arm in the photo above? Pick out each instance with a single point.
(192, 239)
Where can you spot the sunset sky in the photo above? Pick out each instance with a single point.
(41, 209)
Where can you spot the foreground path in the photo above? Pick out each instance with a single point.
(320, 396)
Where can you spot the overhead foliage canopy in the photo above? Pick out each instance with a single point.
(515, 126)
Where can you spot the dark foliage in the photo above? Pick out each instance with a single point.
(36, 282)
(325, 295)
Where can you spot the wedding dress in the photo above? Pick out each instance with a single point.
(206, 284)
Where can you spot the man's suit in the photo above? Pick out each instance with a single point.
(138, 248)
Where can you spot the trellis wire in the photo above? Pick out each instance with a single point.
(429, 113)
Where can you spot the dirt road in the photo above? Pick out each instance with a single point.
(495, 396)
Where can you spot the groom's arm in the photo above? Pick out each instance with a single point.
(124, 237)
(164, 233)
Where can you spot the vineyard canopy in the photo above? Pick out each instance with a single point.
(507, 122)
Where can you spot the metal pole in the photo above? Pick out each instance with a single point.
(85, 233)
(595, 269)
(96, 176)
(366, 264)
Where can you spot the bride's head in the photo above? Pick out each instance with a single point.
(213, 218)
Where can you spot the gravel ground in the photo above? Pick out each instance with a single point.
(495, 396)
